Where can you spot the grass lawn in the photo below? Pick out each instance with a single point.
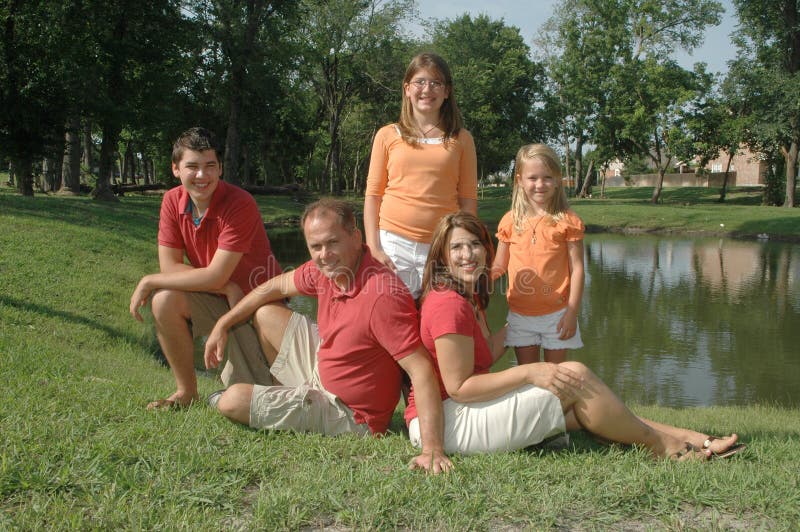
(79, 451)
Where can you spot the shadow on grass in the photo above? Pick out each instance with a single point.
(75, 318)
(132, 217)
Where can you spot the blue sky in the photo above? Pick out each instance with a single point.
(528, 16)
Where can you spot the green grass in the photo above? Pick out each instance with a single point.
(79, 451)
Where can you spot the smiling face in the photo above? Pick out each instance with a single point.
(466, 257)
(334, 250)
(199, 172)
(426, 99)
(538, 183)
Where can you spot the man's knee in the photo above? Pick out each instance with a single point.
(578, 367)
(235, 403)
(270, 323)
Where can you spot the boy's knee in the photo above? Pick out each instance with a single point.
(168, 302)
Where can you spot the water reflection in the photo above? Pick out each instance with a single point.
(683, 322)
(675, 321)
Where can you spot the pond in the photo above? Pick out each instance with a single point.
(675, 321)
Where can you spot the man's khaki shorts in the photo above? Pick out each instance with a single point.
(301, 403)
(246, 362)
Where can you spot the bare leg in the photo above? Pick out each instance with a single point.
(597, 409)
(556, 356)
(171, 315)
(270, 323)
(527, 354)
(235, 403)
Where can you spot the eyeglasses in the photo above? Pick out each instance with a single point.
(433, 84)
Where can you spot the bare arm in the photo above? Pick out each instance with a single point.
(176, 275)
(501, 257)
(568, 324)
(429, 408)
(468, 205)
(372, 209)
(275, 289)
(455, 354)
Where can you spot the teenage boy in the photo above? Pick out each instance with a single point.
(219, 230)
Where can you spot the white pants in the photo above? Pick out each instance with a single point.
(408, 257)
(520, 418)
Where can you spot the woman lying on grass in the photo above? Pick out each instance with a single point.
(525, 404)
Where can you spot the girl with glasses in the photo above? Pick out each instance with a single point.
(421, 168)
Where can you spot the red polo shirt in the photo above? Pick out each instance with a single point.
(363, 332)
(231, 222)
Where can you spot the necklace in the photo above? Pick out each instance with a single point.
(425, 133)
(534, 226)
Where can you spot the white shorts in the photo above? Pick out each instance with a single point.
(539, 330)
(521, 418)
(409, 259)
(301, 403)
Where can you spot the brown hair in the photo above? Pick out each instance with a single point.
(341, 209)
(196, 139)
(437, 273)
(451, 121)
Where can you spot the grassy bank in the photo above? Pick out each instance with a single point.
(79, 451)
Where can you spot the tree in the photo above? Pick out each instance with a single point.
(343, 37)
(496, 83)
(578, 54)
(767, 67)
(34, 75)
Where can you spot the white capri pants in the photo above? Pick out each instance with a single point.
(521, 418)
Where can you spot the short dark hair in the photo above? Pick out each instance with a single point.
(341, 209)
(196, 139)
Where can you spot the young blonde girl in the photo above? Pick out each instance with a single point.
(540, 244)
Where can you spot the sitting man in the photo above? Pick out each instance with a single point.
(343, 376)
(220, 230)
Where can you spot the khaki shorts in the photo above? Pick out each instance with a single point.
(521, 418)
(246, 362)
(301, 404)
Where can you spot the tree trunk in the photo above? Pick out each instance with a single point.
(128, 169)
(790, 155)
(587, 181)
(579, 164)
(724, 188)
(230, 170)
(88, 147)
(71, 169)
(102, 190)
(24, 171)
(11, 174)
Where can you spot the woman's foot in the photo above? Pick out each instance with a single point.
(690, 453)
(722, 447)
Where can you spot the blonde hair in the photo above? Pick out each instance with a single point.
(450, 116)
(520, 203)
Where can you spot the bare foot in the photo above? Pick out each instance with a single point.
(723, 447)
(690, 453)
(719, 445)
(174, 401)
